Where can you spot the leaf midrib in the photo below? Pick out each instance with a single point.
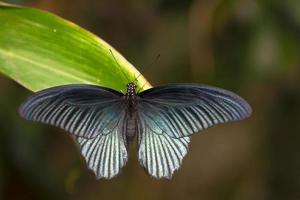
(54, 70)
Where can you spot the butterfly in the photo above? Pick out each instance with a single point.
(104, 121)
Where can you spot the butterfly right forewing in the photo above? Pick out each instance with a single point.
(182, 110)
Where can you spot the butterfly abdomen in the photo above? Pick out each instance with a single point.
(131, 126)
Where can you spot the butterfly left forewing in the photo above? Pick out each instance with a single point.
(82, 110)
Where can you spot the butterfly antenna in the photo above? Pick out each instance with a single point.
(142, 87)
(119, 65)
(148, 67)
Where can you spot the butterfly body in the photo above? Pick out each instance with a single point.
(131, 100)
(104, 121)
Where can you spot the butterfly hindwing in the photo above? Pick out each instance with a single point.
(182, 110)
(83, 110)
(160, 154)
(106, 154)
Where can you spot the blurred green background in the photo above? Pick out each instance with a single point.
(247, 46)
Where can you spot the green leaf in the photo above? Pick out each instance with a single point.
(40, 50)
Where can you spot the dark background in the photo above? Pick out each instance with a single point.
(247, 46)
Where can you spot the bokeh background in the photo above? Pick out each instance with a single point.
(251, 47)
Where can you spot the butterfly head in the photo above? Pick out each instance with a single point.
(131, 89)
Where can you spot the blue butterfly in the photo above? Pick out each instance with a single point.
(104, 121)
